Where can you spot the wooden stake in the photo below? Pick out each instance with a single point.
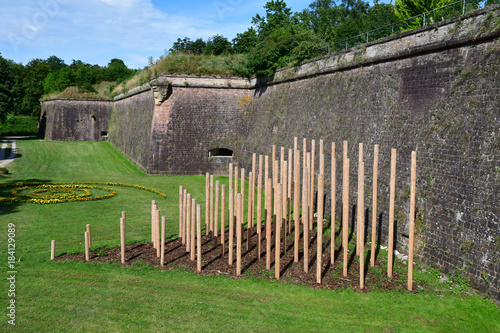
(223, 217)
(90, 238)
(86, 237)
(242, 185)
(332, 205)
(413, 181)
(345, 215)
(391, 212)
(231, 233)
(198, 238)
(188, 223)
(52, 249)
(184, 218)
(157, 231)
(231, 211)
(311, 184)
(249, 218)
(274, 159)
(305, 216)
(289, 191)
(259, 196)
(358, 232)
(193, 230)
(321, 186)
(122, 240)
(296, 205)
(252, 204)
(216, 212)
(207, 202)
(284, 196)
(212, 205)
(304, 153)
(239, 222)
(362, 227)
(259, 214)
(162, 244)
(279, 218)
(374, 207)
(268, 205)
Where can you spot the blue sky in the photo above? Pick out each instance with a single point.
(95, 31)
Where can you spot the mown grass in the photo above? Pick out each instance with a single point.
(81, 297)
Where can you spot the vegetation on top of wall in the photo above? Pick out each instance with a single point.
(98, 91)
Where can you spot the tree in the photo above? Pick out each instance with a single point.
(406, 9)
(244, 42)
(197, 46)
(55, 63)
(216, 45)
(118, 71)
(181, 45)
(36, 71)
(7, 89)
(278, 15)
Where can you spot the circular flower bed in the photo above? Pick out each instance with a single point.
(49, 193)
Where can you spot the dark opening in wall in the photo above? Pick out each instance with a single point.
(104, 134)
(220, 152)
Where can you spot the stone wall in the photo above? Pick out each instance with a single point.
(440, 98)
(75, 120)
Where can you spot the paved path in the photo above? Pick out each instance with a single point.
(4, 160)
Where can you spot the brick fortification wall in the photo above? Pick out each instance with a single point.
(130, 127)
(436, 92)
(75, 120)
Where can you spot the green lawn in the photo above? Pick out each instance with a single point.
(80, 297)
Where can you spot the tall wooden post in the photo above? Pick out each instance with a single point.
(374, 207)
(413, 180)
(279, 218)
(391, 213)
(207, 202)
(231, 233)
(223, 217)
(162, 245)
(235, 193)
(193, 229)
(52, 249)
(332, 204)
(259, 195)
(216, 211)
(230, 192)
(259, 214)
(157, 230)
(289, 191)
(242, 185)
(239, 222)
(251, 205)
(122, 240)
(345, 208)
(211, 206)
(284, 200)
(305, 216)
(198, 238)
(296, 205)
(188, 223)
(184, 218)
(311, 184)
(321, 185)
(358, 232)
(86, 238)
(90, 237)
(268, 222)
(361, 193)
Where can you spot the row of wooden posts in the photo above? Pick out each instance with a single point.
(278, 207)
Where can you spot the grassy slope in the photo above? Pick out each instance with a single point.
(74, 296)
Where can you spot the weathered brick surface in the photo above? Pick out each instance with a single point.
(444, 105)
(191, 122)
(130, 127)
(75, 120)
